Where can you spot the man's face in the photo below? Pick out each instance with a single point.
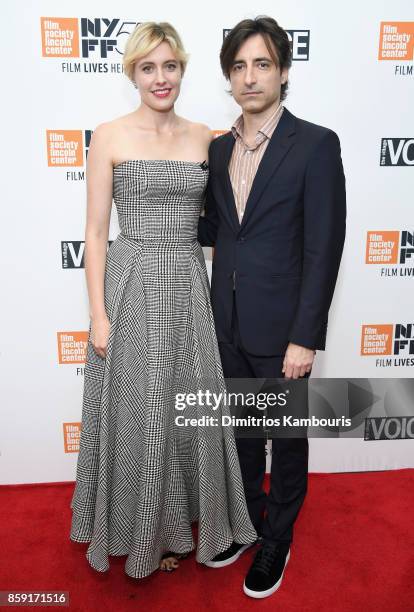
(255, 79)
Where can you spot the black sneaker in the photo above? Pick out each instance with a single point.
(266, 573)
(229, 556)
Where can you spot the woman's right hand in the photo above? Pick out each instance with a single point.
(100, 335)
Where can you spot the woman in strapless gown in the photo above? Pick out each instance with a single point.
(142, 480)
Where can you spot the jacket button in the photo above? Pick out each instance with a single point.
(242, 239)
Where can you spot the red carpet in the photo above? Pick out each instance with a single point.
(353, 550)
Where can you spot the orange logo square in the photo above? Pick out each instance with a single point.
(396, 40)
(218, 133)
(376, 339)
(64, 147)
(72, 346)
(382, 247)
(71, 437)
(60, 36)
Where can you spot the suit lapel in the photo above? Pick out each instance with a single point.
(230, 203)
(281, 141)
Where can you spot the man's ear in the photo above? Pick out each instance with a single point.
(284, 75)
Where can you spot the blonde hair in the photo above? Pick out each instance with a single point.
(145, 38)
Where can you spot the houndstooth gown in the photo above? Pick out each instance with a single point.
(140, 483)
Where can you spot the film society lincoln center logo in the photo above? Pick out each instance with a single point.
(392, 344)
(68, 149)
(71, 437)
(392, 250)
(79, 40)
(396, 43)
(72, 347)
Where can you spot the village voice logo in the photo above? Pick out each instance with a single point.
(68, 149)
(393, 250)
(72, 252)
(99, 39)
(391, 343)
(299, 41)
(396, 43)
(397, 152)
(389, 428)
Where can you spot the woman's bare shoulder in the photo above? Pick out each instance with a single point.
(109, 128)
(199, 130)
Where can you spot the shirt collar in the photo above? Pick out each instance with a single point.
(267, 128)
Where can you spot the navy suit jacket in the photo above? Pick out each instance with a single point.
(284, 257)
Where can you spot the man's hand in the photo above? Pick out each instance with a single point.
(298, 361)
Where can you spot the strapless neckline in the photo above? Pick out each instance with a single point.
(202, 164)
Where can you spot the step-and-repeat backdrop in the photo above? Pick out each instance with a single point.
(353, 71)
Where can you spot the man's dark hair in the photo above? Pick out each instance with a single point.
(275, 38)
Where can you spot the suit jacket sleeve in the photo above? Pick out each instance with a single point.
(208, 223)
(324, 235)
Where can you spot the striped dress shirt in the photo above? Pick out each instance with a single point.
(245, 160)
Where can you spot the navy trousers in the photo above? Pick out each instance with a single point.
(273, 515)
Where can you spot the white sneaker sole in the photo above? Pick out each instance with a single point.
(262, 594)
(230, 560)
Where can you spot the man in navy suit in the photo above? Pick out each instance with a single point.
(275, 213)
